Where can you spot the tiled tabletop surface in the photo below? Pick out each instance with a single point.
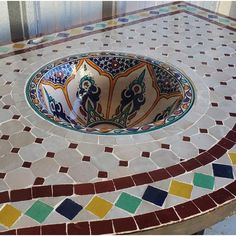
(54, 180)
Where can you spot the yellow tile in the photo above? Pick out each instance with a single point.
(111, 22)
(232, 156)
(144, 14)
(75, 31)
(181, 189)
(99, 207)
(19, 45)
(9, 215)
(233, 24)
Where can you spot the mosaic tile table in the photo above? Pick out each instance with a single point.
(178, 179)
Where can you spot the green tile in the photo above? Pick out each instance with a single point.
(4, 49)
(133, 17)
(204, 181)
(101, 25)
(164, 9)
(128, 202)
(39, 211)
(223, 20)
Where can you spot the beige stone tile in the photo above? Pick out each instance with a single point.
(5, 147)
(22, 139)
(10, 162)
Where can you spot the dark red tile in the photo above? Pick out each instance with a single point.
(219, 122)
(217, 151)
(86, 158)
(190, 164)
(145, 154)
(234, 128)
(2, 175)
(165, 146)
(108, 149)
(83, 189)
(15, 150)
(203, 131)
(81, 228)
(27, 129)
(186, 139)
(123, 163)
(73, 145)
(214, 104)
(63, 169)
(175, 170)
(6, 107)
(29, 231)
(124, 225)
(228, 98)
(146, 220)
(38, 140)
(15, 117)
(50, 154)
(5, 137)
(205, 158)
(101, 227)
(124, 182)
(226, 143)
(201, 151)
(39, 181)
(221, 196)
(160, 174)
(59, 229)
(204, 203)
(9, 232)
(104, 186)
(42, 191)
(4, 197)
(233, 114)
(232, 188)
(231, 136)
(102, 174)
(186, 209)
(62, 190)
(21, 195)
(26, 164)
(167, 215)
(143, 178)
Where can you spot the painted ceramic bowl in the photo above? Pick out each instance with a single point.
(110, 93)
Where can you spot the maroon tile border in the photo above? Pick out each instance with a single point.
(101, 227)
(81, 228)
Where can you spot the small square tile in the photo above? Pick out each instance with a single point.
(16, 117)
(123, 19)
(219, 122)
(27, 128)
(180, 189)
(145, 154)
(102, 174)
(186, 139)
(73, 145)
(19, 45)
(165, 146)
(38, 140)
(15, 150)
(86, 158)
(5, 137)
(155, 195)
(39, 211)
(9, 215)
(26, 164)
(123, 163)
(2, 175)
(203, 181)
(203, 130)
(6, 107)
(224, 171)
(99, 206)
(108, 149)
(50, 154)
(128, 202)
(63, 169)
(69, 208)
(39, 181)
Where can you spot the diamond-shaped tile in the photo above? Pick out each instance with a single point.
(180, 189)
(99, 207)
(9, 215)
(39, 211)
(88, 28)
(128, 202)
(155, 195)
(224, 171)
(63, 35)
(69, 208)
(203, 181)
(232, 156)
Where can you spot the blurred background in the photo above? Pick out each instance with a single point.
(20, 20)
